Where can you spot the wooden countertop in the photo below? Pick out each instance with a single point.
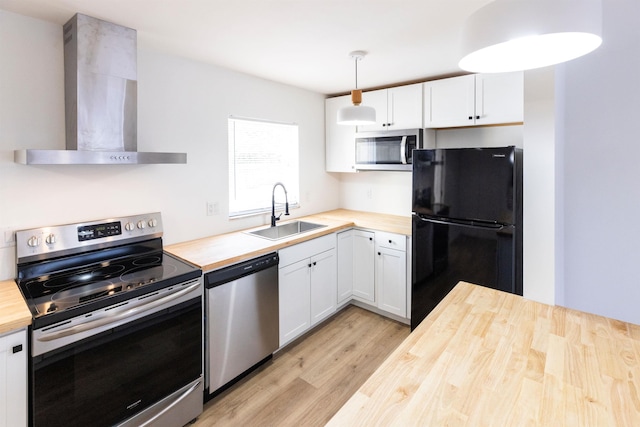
(218, 251)
(14, 313)
(485, 357)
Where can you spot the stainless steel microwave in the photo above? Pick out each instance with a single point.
(387, 150)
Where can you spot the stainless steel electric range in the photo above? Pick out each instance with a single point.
(117, 331)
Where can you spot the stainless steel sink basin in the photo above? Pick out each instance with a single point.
(285, 230)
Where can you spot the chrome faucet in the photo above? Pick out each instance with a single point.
(273, 204)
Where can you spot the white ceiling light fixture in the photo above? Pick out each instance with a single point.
(356, 114)
(512, 35)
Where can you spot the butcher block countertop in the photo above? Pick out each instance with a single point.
(213, 252)
(487, 358)
(14, 313)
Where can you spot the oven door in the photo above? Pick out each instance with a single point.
(112, 376)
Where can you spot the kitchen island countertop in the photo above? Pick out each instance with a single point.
(488, 358)
(214, 252)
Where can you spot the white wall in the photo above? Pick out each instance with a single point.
(376, 191)
(539, 187)
(602, 170)
(183, 106)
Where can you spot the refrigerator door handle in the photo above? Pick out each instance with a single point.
(473, 224)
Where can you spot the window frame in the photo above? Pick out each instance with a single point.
(236, 210)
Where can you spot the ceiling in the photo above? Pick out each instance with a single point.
(304, 43)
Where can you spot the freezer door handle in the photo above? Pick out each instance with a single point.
(473, 224)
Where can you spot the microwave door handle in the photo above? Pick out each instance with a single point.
(403, 150)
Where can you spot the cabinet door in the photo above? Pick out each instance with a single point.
(364, 266)
(324, 286)
(404, 107)
(13, 379)
(345, 265)
(378, 100)
(499, 98)
(391, 268)
(449, 102)
(340, 150)
(294, 299)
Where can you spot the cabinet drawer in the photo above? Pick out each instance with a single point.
(391, 241)
(306, 249)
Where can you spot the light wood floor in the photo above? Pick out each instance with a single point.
(307, 382)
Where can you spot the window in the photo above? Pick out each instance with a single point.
(260, 154)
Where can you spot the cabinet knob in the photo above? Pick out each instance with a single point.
(370, 238)
(390, 241)
(309, 265)
(477, 117)
(379, 253)
(470, 117)
(314, 262)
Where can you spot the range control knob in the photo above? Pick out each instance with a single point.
(153, 222)
(33, 241)
(129, 226)
(50, 239)
(141, 224)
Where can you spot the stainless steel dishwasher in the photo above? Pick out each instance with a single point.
(241, 324)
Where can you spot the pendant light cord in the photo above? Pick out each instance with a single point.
(356, 60)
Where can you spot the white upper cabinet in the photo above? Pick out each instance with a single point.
(449, 102)
(499, 98)
(340, 151)
(396, 108)
(472, 100)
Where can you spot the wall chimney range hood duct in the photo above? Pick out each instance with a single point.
(100, 73)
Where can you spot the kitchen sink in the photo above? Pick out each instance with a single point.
(285, 230)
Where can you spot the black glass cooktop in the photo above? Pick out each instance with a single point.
(91, 281)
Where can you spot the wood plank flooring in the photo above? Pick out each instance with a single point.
(307, 382)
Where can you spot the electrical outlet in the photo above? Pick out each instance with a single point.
(213, 208)
(369, 193)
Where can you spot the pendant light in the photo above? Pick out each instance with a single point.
(511, 35)
(356, 114)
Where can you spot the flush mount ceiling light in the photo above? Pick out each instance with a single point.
(356, 114)
(512, 35)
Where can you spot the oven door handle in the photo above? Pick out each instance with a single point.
(118, 313)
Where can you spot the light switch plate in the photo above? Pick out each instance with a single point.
(8, 237)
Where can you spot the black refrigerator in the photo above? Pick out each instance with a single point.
(466, 223)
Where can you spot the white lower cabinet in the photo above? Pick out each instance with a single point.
(308, 285)
(373, 266)
(391, 280)
(364, 266)
(345, 265)
(294, 292)
(324, 285)
(13, 379)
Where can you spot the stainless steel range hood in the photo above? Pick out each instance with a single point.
(100, 73)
